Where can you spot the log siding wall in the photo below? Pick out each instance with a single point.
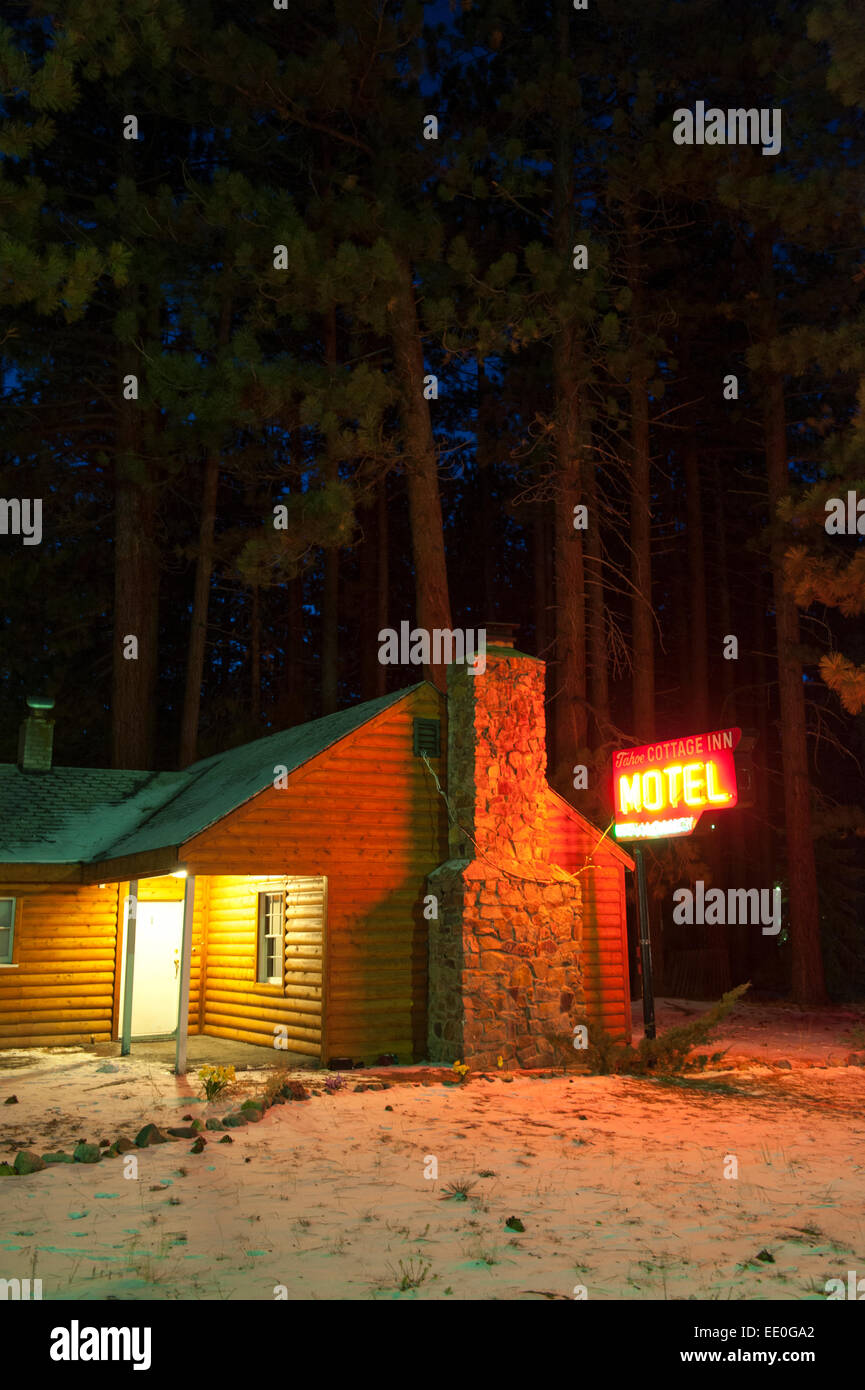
(60, 987)
(239, 1006)
(605, 932)
(365, 816)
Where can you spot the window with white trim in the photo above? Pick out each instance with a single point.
(271, 928)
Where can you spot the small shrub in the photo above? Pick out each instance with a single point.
(458, 1191)
(273, 1086)
(663, 1055)
(215, 1080)
(411, 1273)
(482, 1253)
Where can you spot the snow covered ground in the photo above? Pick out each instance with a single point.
(611, 1184)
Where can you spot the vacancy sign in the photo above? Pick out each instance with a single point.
(662, 789)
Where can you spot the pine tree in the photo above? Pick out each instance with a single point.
(378, 223)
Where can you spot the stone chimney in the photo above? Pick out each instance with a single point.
(36, 736)
(504, 955)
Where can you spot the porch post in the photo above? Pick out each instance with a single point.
(129, 968)
(185, 974)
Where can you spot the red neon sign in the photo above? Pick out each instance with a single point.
(662, 789)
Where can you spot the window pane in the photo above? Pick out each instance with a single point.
(270, 946)
(261, 970)
(274, 914)
(5, 943)
(7, 909)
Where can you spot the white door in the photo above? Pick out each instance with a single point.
(156, 973)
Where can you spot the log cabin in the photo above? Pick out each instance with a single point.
(397, 878)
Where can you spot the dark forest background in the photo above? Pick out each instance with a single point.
(300, 378)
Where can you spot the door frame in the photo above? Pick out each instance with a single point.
(120, 964)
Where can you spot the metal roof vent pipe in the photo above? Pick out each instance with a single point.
(36, 736)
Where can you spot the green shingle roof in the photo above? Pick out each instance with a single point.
(87, 815)
(66, 815)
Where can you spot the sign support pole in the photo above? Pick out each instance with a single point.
(645, 944)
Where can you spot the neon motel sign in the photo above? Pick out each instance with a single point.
(662, 789)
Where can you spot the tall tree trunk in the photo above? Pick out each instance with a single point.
(486, 545)
(540, 572)
(200, 604)
(699, 663)
(330, 584)
(367, 600)
(643, 622)
(432, 601)
(679, 622)
(383, 577)
(761, 750)
(135, 615)
(728, 714)
(292, 703)
(596, 621)
(203, 575)
(569, 710)
(642, 612)
(330, 633)
(292, 697)
(373, 591)
(136, 578)
(807, 960)
(255, 657)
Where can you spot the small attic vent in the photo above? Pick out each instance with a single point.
(427, 737)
